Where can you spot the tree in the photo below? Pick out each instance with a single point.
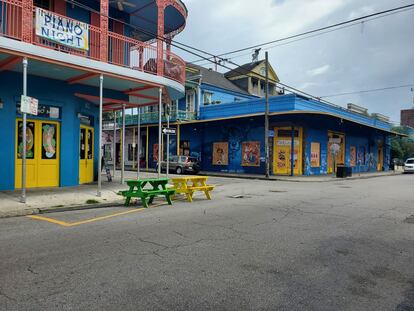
(403, 147)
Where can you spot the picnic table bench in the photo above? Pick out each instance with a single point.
(189, 184)
(158, 187)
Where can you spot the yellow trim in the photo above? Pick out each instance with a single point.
(87, 176)
(287, 150)
(35, 168)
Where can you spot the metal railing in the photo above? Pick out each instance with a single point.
(151, 117)
(122, 51)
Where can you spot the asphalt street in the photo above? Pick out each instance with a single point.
(258, 245)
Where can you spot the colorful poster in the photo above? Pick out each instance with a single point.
(49, 141)
(315, 154)
(62, 30)
(221, 153)
(30, 138)
(155, 153)
(251, 153)
(352, 156)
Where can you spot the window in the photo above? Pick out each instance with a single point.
(190, 101)
(44, 4)
(207, 98)
(263, 71)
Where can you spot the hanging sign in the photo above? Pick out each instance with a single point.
(62, 30)
(29, 105)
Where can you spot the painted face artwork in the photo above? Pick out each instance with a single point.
(48, 141)
(29, 141)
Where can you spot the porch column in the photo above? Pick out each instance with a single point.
(178, 139)
(100, 135)
(27, 21)
(160, 37)
(114, 145)
(159, 131)
(123, 145)
(139, 142)
(104, 31)
(23, 198)
(146, 149)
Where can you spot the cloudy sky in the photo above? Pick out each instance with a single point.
(371, 55)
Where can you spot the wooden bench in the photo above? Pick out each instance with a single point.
(189, 184)
(137, 190)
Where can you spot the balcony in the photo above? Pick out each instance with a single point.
(121, 50)
(150, 118)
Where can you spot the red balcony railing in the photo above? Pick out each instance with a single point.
(11, 18)
(122, 51)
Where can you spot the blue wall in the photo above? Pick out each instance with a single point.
(52, 93)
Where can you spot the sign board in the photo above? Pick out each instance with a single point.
(169, 131)
(43, 111)
(62, 30)
(29, 105)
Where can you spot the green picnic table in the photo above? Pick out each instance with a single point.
(147, 190)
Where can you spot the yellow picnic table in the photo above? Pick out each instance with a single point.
(187, 185)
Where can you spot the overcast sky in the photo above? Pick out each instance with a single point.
(375, 54)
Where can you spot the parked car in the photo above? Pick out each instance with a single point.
(409, 166)
(181, 164)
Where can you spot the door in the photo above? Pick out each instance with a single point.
(336, 145)
(86, 155)
(282, 151)
(380, 158)
(42, 153)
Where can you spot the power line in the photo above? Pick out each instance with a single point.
(314, 35)
(317, 30)
(369, 91)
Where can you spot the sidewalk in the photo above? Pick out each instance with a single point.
(85, 196)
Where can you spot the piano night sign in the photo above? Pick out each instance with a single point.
(62, 30)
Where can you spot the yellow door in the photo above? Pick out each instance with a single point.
(282, 151)
(336, 139)
(380, 158)
(86, 155)
(42, 154)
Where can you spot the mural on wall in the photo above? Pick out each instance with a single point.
(251, 153)
(185, 147)
(155, 152)
(220, 153)
(49, 141)
(352, 156)
(30, 130)
(315, 154)
(361, 156)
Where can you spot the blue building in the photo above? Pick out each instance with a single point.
(70, 50)
(221, 121)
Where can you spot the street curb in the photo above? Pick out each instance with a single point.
(297, 180)
(47, 210)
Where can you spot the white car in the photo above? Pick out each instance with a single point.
(409, 166)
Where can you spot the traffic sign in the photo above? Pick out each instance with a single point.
(29, 105)
(169, 131)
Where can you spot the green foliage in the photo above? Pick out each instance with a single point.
(402, 147)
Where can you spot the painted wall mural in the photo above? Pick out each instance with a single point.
(315, 154)
(155, 153)
(251, 153)
(221, 153)
(352, 156)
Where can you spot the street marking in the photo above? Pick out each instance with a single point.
(87, 221)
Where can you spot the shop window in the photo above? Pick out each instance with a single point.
(44, 4)
(82, 149)
(90, 145)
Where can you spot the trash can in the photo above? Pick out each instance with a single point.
(343, 171)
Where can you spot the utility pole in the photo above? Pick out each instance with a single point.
(267, 118)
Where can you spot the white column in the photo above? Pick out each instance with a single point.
(114, 145)
(139, 141)
(23, 198)
(159, 132)
(123, 145)
(168, 140)
(100, 136)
